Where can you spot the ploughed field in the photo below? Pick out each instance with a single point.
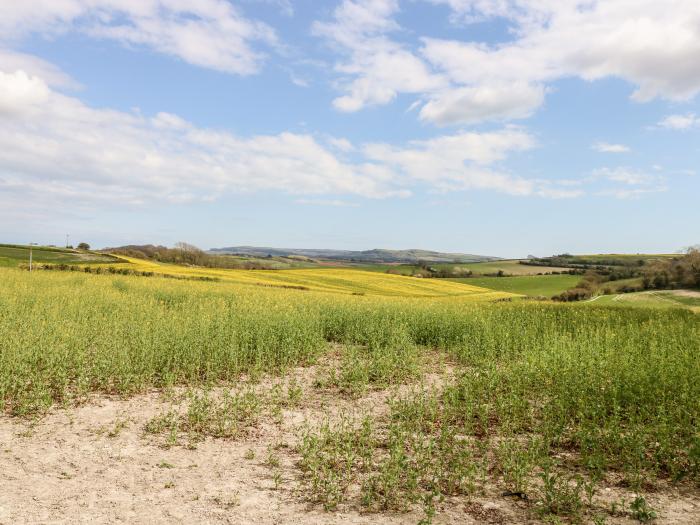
(286, 399)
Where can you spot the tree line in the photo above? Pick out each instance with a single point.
(186, 254)
(661, 274)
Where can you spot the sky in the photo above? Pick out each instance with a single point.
(493, 127)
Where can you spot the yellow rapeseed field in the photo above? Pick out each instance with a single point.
(334, 280)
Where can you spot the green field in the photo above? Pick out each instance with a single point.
(508, 267)
(530, 285)
(556, 401)
(619, 260)
(628, 257)
(14, 255)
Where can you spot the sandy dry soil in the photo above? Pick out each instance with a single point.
(94, 464)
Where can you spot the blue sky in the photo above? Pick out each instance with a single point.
(502, 128)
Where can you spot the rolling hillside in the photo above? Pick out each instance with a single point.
(367, 256)
(14, 255)
(333, 280)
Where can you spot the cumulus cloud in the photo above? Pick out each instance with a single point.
(34, 66)
(206, 33)
(626, 175)
(20, 93)
(56, 151)
(341, 144)
(628, 182)
(459, 162)
(374, 68)
(54, 144)
(335, 203)
(682, 122)
(470, 105)
(606, 147)
(652, 45)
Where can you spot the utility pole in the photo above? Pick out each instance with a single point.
(30, 254)
(67, 235)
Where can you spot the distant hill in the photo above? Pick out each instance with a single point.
(368, 256)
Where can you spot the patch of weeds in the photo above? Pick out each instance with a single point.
(165, 464)
(394, 466)
(365, 367)
(618, 508)
(229, 416)
(516, 462)
(560, 495)
(228, 502)
(419, 468)
(273, 458)
(249, 454)
(641, 510)
(277, 479)
(119, 425)
(429, 509)
(599, 519)
(169, 485)
(333, 456)
(289, 397)
(294, 392)
(162, 422)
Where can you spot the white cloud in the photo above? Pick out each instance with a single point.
(298, 81)
(206, 33)
(13, 61)
(470, 105)
(628, 182)
(52, 144)
(459, 162)
(652, 45)
(375, 68)
(629, 193)
(606, 147)
(20, 93)
(682, 122)
(341, 144)
(56, 151)
(626, 175)
(335, 203)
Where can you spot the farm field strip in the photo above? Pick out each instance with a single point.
(507, 266)
(335, 280)
(531, 285)
(11, 256)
